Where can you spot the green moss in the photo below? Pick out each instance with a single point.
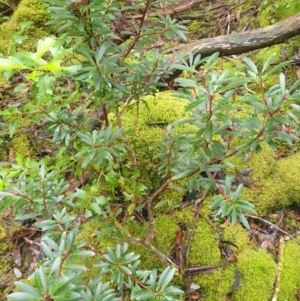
(290, 276)
(262, 56)
(6, 263)
(237, 235)
(154, 115)
(4, 245)
(28, 10)
(21, 145)
(278, 188)
(261, 163)
(3, 153)
(258, 271)
(205, 247)
(164, 239)
(275, 11)
(196, 28)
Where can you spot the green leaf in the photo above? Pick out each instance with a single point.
(192, 105)
(182, 174)
(295, 85)
(160, 204)
(12, 63)
(85, 253)
(165, 278)
(218, 150)
(218, 201)
(233, 216)
(116, 134)
(208, 131)
(131, 208)
(250, 64)
(254, 144)
(96, 208)
(40, 280)
(112, 180)
(282, 83)
(100, 51)
(246, 208)
(26, 288)
(276, 68)
(228, 182)
(183, 67)
(19, 296)
(42, 47)
(185, 82)
(238, 191)
(67, 296)
(180, 58)
(240, 81)
(210, 60)
(268, 62)
(243, 220)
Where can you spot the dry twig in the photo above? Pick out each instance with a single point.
(273, 225)
(279, 267)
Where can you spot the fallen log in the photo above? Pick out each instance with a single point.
(238, 43)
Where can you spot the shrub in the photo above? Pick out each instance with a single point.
(92, 68)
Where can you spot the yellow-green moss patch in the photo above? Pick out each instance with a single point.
(290, 276)
(258, 271)
(28, 10)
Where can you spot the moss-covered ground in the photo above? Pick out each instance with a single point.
(274, 183)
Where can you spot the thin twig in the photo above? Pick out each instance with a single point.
(279, 268)
(150, 210)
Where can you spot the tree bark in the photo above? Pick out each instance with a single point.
(239, 42)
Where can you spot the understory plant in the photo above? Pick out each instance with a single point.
(101, 64)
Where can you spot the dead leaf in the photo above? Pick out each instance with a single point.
(236, 284)
(228, 253)
(17, 273)
(242, 179)
(195, 296)
(179, 250)
(298, 295)
(298, 72)
(17, 255)
(193, 287)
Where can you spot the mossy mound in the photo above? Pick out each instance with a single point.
(237, 236)
(6, 262)
(290, 276)
(258, 271)
(28, 10)
(19, 144)
(145, 122)
(274, 186)
(275, 11)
